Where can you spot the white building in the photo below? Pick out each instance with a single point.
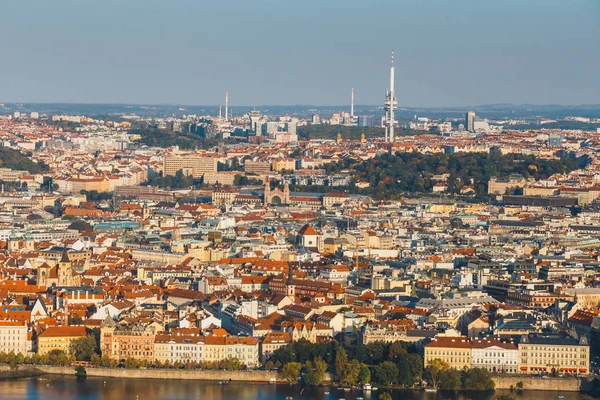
(494, 355)
(13, 337)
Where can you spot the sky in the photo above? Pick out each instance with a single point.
(285, 52)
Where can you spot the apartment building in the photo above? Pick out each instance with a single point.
(59, 338)
(193, 164)
(180, 346)
(257, 167)
(456, 351)
(13, 337)
(553, 354)
(272, 342)
(494, 355)
(223, 197)
(245, 349)
(122, 343)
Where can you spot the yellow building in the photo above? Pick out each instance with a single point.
(280, 164)
(59, 338)
(99, 184)
(190, 164)
(553, 354)
(223, 197)
(539, 191)
(456, 351)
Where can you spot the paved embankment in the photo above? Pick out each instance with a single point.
(21, 372)
(502, 382)
(248, 376)
(538, 383)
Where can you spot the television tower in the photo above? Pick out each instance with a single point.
(352, 104)
(390, 106)
(226, 106)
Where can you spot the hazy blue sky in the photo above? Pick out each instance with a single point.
(449, 52)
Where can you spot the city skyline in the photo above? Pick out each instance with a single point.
(463, 55)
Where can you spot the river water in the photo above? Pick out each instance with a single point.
(68, 388)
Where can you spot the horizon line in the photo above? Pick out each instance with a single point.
(298, 105)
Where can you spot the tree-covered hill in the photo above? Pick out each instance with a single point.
(16, 160)
(390, 176)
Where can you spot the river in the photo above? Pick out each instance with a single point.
(55, 387)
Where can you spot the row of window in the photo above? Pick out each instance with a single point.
(554, 355)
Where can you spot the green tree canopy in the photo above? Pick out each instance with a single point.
(479, 379)
(291, 372)
(84, 348)
(434, 370)
(386, 373)
(315, 371)
(450, 379)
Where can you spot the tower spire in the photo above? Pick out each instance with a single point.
(390, 105)
(352, 105)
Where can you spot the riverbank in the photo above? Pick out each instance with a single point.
(237, 376)
(547, 383)
(29, 372)
(529, 383)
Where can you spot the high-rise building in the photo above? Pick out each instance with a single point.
(272, 128)
(291, 127)
(254, 121)
(555, 140)
(366, 121)
(470, 121)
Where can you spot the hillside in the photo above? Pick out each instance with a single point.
(391, 176)
(14, 159)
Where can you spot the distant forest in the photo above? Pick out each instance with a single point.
(16, 160)
(391, 176)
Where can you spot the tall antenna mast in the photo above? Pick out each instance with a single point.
(352, 104)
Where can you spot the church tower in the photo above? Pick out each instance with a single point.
(145, 211)
(28, 242)
(286, 194)
(267, 194)
(64, 269)
(13, 241)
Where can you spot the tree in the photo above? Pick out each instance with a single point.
(291, 372)
(132, 363)
(84, 348)
(341, 360)
(396, 349)
(385, 396)
(364, 375)
(504, 397)
(59, 357)
(75, 320)
(450, 379)
(386, 373)
(410, 367)
(350, 373)
(434, 370)
(315, 371)
(479, 379)
(520, 385)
